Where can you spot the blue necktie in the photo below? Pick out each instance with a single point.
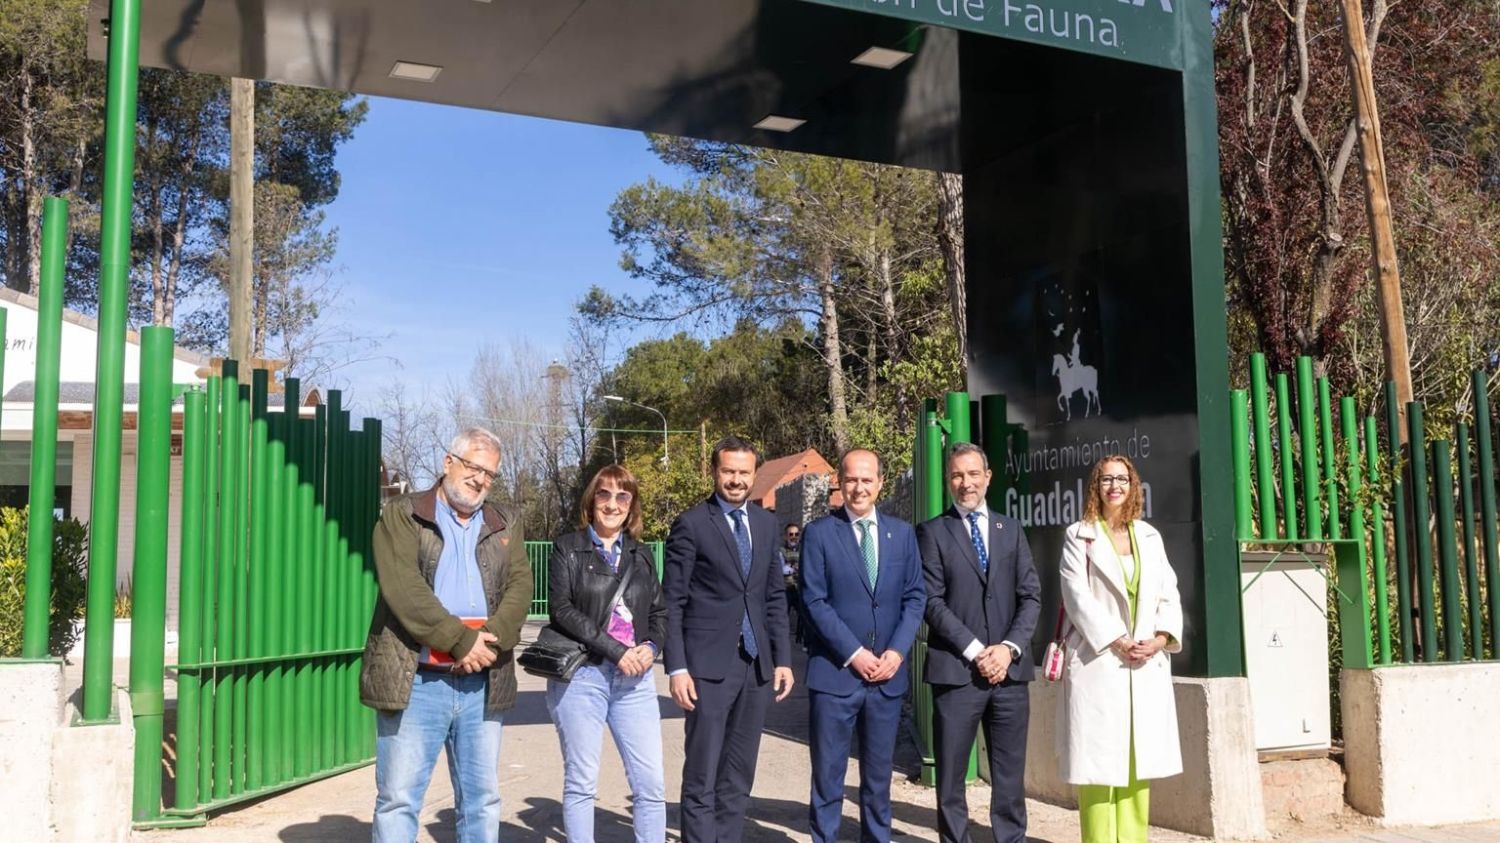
(742, 541)
(974, 536)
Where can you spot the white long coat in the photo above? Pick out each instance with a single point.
(1100, 692)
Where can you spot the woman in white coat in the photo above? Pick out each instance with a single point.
(1118, 724)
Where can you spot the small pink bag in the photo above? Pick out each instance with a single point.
(1055, 659)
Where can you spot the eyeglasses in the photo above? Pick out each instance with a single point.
(1114, 480)
(472, 468)
(622, 498)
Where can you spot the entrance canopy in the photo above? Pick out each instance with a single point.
(1084, 129)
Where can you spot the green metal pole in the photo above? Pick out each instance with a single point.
(1312, 507)
(1453, 616)
(295, 729)
(958, 417)
(934, 480)
(370, 470)
(208, 715)
(318, 551)
(190, 596)
(1487, 512)
(1354, 606)
(241, 674)
(1421, 511)
(1470, 552)
(229, 469)
(255, 772)
(329, 591)
(275, 585)
(109, 383)
(1284, 441)
(306, 557)
(148, 614)
(1264, 481)
(1377, 543)
(43, 492)
(1330, 465)
(1239, 445)
(1401, 503)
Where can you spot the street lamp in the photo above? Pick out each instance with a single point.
(665, 453)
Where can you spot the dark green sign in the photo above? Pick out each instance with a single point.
(1142, 31)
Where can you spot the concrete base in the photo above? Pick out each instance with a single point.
(31, 696)
(1419, 745)
(1307, 790)
(93, 775)
(1219, 793)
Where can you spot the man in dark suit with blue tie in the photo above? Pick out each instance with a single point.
(862, 592)
(727, 642)
(983, 599)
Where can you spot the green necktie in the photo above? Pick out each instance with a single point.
(867, 549)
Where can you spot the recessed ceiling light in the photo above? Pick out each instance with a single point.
(881, 57)
(415, 71)
(778, 123)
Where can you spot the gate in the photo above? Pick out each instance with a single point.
(276, 591)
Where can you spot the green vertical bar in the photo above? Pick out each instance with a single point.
(1264, 482)
(1312, 506)
(307, 601)
(1330, 465)
(330, 540)
(1239, 444)
(259, 622)
(1284, 441)
(1402, 500)
(43, 492)
(109, 385)
(1487, 512)
(207, 678)
(1475, 597)
(370, 470)
(1453, 616)
(190, 595)
(318, 550)
(1377, 543)
(148, 613)
(933, 459)
(295, 728)
(229, 469)
(959, 430)
(1421, 512)
(275, 585)
(1354, 604)
(241, 748)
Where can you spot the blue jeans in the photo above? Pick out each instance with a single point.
(446, 710)
(598, 695)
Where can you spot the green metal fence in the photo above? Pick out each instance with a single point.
(1429, 506)
(539, 554)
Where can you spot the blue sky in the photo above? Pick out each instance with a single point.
(459, 228)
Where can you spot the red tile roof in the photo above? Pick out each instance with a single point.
(783, 470)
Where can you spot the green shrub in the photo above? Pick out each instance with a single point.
(69, 582)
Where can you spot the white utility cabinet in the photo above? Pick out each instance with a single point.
(1285, 599)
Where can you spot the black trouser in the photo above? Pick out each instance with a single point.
(722, 743)
(1004, 710)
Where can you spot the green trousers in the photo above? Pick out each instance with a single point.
(1115, 814)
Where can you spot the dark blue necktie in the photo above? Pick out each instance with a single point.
(742, 541)
(974, 536)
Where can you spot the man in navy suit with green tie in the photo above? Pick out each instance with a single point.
(863, 595)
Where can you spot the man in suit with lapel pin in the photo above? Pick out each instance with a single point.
(727, 642)
(861, 582)
(983, 599)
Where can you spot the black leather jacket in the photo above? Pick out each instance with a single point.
(579, 582)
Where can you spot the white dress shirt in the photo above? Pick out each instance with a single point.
(976, 646)
(874, 542)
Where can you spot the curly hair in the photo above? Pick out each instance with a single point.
(1135, 496)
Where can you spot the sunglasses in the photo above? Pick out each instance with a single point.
(623, 499)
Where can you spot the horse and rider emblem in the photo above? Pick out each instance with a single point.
(1073, 377)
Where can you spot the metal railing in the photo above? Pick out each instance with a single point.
(1429, 506)
(539, 554)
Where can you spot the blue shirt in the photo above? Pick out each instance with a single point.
(610, 554)
(457, 583)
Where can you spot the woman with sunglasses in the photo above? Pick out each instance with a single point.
(616, 686)
(1117, 727)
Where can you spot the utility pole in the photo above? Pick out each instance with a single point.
(241, 213)
(1387, 273)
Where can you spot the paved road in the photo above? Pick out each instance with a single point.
(338, 809)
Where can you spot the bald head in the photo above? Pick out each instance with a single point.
(860, 481)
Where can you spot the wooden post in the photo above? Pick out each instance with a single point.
(241, 214)
(1378, 205)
